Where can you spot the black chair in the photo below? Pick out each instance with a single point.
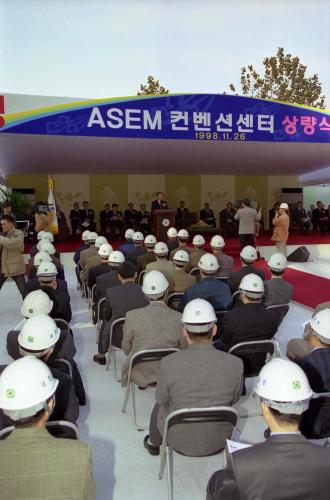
(315, 422)
(58, 429)
(116, 327)
(62, 324)
(63, 365)
(281, 310)
(195, 271)
(140, 277)
(173, 300)
(255, 354)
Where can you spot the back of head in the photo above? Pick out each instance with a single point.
(127, 270)
(320, 325)
(41, 257)
(198, 241)
(199, 319)
(252, 287)
(208, 264)
(277, 263)
(183, 235)
(181, 258)
(116, 258)
(161, 249)
(137, 238)
(217, 242)
(129, 234)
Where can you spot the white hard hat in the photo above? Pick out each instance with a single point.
(183, 234)
(249, 253)
(25, 386)
(172, 232)
(198, 316)
(285, 206)
(154, 284)
(41, 257)
(277, 262)
(104, 250)
(321, 325)
(217, 241)
(129, 234)
(181, 256)
(38, 333)
(208, 263)
(137, 236)
(48, 236)
(283, 385)
(92, 236)
(47, 246)
(198, 240)
(36, 302)
(150, 240)
(100, 240)
(40, 235)
(85, 235)
(47, 269)
(252, 285)
(116, 257)
(161, 248)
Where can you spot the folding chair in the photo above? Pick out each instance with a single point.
(195, 271)
(315, 422)
(186, 416)
(221, 314)
(281, 309)
(255, 354)
(98, 318)
(62, 324)
(173, 300)
(112, 349)
(58, 428)
(140, 277)
(63, 365)
(141, 357)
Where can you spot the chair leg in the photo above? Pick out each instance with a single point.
(127, 393)
(133, 405)
(169, 459)
(162, 461)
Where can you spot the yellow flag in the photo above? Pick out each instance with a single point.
(52, 205)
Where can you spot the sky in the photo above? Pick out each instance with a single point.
(106, 48)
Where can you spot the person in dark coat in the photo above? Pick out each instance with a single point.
(248, 256)
(75, 219)
(87, 217)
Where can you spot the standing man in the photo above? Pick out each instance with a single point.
(247, 216)
(131, 216)
(181, 214)
(281, 224)
(11, 251)
(75, 218)
(159, 203)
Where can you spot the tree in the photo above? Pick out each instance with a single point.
(153, 87)
(284, 80)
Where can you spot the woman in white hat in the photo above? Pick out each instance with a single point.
(281, 224)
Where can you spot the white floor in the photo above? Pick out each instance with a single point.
(122, 467)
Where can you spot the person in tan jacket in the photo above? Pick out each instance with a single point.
(11, 251)
(43, 219)
(182, 279)
(281, 224)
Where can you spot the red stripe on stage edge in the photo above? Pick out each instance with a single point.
(2, 104)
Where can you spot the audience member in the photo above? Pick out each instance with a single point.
(110, 277)
(75, 219)
(162, 264)
(94, 259)
(138, 248)
(96, 269)
(207, 215)
(182, 279)
(87, 217)
(226, 262)
(146, 258)
(301, 347)
(300, 218)
(198, 251)
(46, 272)
(183, 237)
(144, 219)
(91, 251)
(131, 216)
(227, 219)
(248, 255)
(128, 245)
(11, 254)
(172, 242)
(82, 247)
(61, 300)
(277, 290)
(116, 222)
(247, 216)
(105, 216)
(320, 217)
(41, 236)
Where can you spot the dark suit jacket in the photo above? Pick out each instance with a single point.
(210, 289)
(235, 277)
(145, 259)
(135, 252)
(96, 271)
(245, 323)
(75, 217)
(284, 467)
(105, 217)
(76, 256)
(33, 272)
(61, 304)
(84, 216)
(204, 214)
(64, 347)
(156, 205)
(105, 281)
(130, 216)
(33, 284)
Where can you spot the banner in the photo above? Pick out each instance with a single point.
(52, 205)
(202, 117)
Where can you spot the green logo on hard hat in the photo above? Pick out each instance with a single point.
(198, 313)
(10, 393)
(255, 284)
(153, 287)
(296, 384)
(31, 340)
(31, 310)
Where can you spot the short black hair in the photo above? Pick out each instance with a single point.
(127, 269)
(277, 273)
(246, 202)
(6, 204)
(285, 418)
(8, 218)
(115, 205)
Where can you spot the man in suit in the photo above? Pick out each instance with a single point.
(75, 218)
(300, 218)
(226, 262)
(247, 216)
(300, 347)
(95, 259)
(209, 287)
(46, 271)
(116, 222)
(11, 254)
(248, 255)
(251, 321)
(82, 247)
(85, 255)
(183, 237)
(87, 217)
(128, 245)
(138, 249)
(286, 465)
(61, 300)
(277, 290)
(172, 242)
(182, 280)
(162, 264)
(105, 219)
(110, 277)
(181, 214)
(144, 219)
(228, 221)
(207, 215)
(27, 389)
(97, 269)
(198, 251)
(146, 258)
(159, 203)
(119, 300)
(320, 217)
(131, 216)
(154, 326)
(197, 376)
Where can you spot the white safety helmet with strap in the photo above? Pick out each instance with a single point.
(154, 284)
(320, 324)
(100, 240)
(198, 240)
(252, 285)
(116, 257)
(198, 316)
(217, 241)
(277, 262)
(172, 232)
(36, 302)
(47, 246)
(40, 235)
(41, 257)
(129, 234)
(105, 250)
(283, 385)
(249, 253)
(161, 249)
(150, 241)
(208, 263)
(38, 334)
(285, 206)
(25, 386)
(47, 269)
(91, 237)
(85, 235)
(181, 257)
(137, 237)
(183, 234)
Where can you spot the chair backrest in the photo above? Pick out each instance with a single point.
(281, 310)
(148, 355)
(62, 324)
(195, 271)
(4, 433)
(254, 354)
(23, 225)
(173, 300)
(63, 365)
(93, 294)
(118, 326)
(220, 314)
(100, 306)
(315, 422)
(63, 429)
(140, 277)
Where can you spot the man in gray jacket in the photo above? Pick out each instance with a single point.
(198, 376)
(247, 216)
(277, 290)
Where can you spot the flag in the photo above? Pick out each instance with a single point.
(52, 205)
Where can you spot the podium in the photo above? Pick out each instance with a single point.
(163, 219)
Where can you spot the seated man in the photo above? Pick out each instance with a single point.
(116, 222)
(131, 216)
(183, 237)
(154, 326)
(46, 271)
(27, 397)
(286, 465)
(300, 347)
(182, 280)
(277, 290)
(227, 216)
(84, 246)
(61, 300)
(248, 255)
(162, 264)
(209, 287)
(320, 217)
(94, 259)
(198, 251)
(172, 242)
(119, 300)
(226, 262)
(251, 321)
(300, 218)
(195, 377)
(144, 219)
(128, 245)
(75, 219)
(181, 215)
(110, 277)
(138, 248)
(91, 251)
(105, 219)
(87, 217)
(146, 258)
(206, 215)
(94, 269)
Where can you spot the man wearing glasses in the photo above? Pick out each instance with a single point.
(11, 253)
